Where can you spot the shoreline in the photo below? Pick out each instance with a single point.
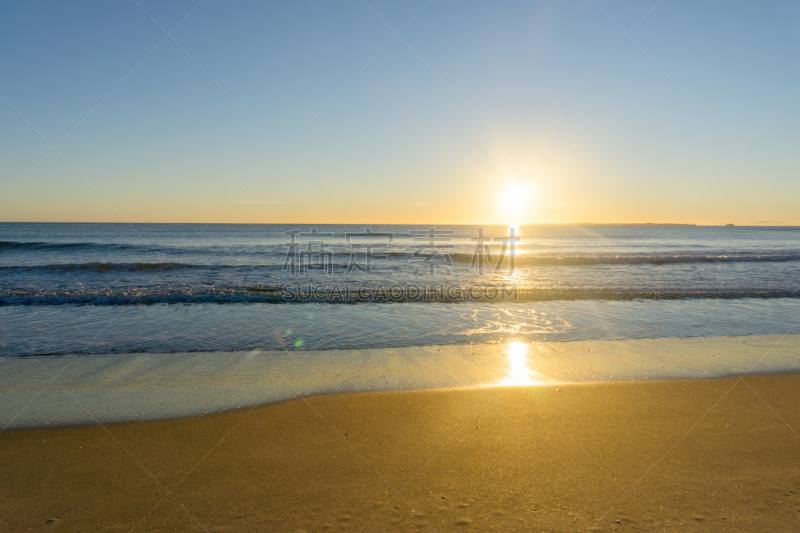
(135, 387)
(715, 454)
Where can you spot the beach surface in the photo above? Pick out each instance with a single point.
(69, 390)
(690, 454)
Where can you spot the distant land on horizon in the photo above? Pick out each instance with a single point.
(606, 224)
(661, 224)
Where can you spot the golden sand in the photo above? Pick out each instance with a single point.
(705, 455)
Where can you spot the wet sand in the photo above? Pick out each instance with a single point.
(691, 454)
(133, 387)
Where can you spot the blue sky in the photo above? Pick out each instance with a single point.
(318, 112)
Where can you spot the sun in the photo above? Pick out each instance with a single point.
(514, 199)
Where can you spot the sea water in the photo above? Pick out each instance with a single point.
(161, 288)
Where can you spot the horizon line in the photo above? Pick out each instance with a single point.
(754, 225)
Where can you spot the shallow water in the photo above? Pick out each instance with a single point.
(63, 330)
(42, 391)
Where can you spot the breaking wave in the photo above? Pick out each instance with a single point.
(198, 294)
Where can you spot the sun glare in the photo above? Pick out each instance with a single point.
(519, 373)
(514, 200)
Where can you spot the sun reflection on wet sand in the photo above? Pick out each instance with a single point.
(519, 371)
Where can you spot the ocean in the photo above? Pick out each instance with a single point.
(167, 288)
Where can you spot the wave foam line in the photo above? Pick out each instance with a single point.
(199, 295)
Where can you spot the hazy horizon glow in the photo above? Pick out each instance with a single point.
(321, 112)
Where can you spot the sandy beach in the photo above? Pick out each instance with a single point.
(691, 454)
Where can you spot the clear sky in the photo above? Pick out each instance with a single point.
(319, 112)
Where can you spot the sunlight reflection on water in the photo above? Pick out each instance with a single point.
(520, 372)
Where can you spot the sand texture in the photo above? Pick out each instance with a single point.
(695, 454)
